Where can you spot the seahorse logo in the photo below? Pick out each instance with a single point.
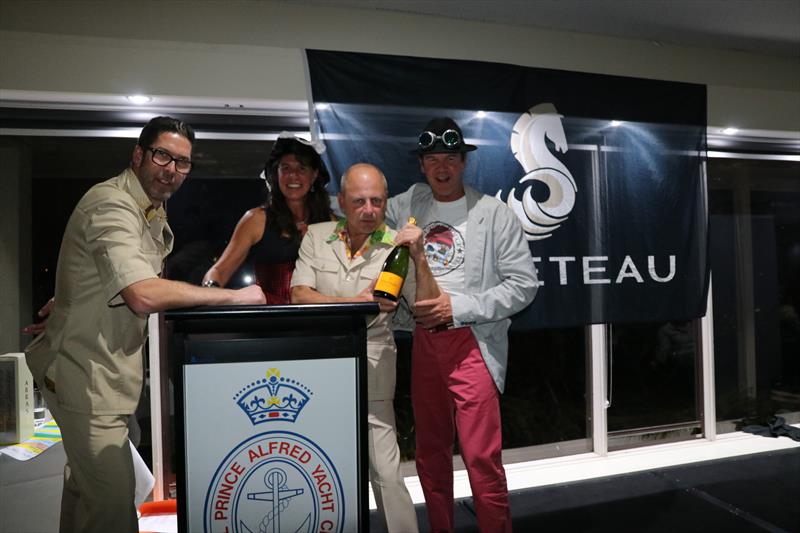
(540, 219)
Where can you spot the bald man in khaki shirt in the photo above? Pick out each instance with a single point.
(88, 361)
(339, 262)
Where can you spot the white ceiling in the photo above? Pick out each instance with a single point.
(761, 26)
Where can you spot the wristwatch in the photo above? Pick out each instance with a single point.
(210, 283)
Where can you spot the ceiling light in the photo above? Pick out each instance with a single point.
(730, 131)
(139, 99)
(322, 106)
(616, 123)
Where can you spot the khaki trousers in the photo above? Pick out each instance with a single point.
(99, 482)
(391, 496)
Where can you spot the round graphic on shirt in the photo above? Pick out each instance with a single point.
(444, 247)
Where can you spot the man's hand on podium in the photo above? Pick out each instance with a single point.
(252, 294)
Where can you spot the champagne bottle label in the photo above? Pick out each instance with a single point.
(393, 274)
(390, 283)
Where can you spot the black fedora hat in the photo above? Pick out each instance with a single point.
(289, 143)
(442, 136)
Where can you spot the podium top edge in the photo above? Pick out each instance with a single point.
(273, 311)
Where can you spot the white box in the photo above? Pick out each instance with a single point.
(16, 399)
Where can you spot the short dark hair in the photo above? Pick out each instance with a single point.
(159, 125)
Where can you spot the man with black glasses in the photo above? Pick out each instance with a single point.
(478, 254)
(88, 361)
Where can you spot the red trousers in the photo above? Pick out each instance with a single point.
(452, 389)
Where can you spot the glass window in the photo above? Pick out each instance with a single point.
(203, 215)
(545, 400)
(652, 382)
(754, 208)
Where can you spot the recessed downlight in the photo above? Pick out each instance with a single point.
(139, 99)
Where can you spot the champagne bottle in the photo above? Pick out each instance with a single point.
(394, 271)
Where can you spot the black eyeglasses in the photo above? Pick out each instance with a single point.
(450, 138)
(163, 158)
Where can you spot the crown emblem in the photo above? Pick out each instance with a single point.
(273, 398)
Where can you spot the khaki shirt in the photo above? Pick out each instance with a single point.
(92, 345)
(324, 267)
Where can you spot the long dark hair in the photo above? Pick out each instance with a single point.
(317, 199)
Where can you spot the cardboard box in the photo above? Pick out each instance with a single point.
(16, 399)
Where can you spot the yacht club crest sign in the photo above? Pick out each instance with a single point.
(274, 481)
(540, 219)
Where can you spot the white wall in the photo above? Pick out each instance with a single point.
(240, 50)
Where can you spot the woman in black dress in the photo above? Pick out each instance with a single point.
(270, 234)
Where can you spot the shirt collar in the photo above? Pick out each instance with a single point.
(380, 235)
(134, 188)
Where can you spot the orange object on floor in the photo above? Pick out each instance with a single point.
(159, 507)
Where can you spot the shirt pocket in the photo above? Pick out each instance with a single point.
(154, 251)
(328, 274)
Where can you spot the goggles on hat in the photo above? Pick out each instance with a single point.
(450, 138)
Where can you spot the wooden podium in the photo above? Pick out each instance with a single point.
(270, 417)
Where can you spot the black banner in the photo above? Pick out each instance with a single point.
(604, 172)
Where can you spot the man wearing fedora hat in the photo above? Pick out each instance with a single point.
(477, 251)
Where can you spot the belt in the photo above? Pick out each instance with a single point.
(50, 384)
